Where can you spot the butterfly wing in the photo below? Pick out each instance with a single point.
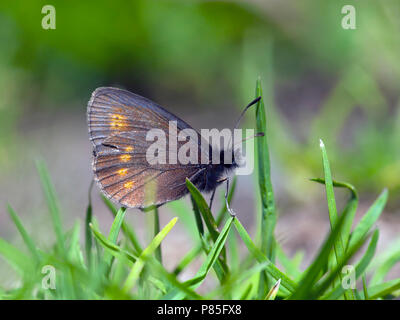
(118, 124)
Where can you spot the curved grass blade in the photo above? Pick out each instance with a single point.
(139, 264)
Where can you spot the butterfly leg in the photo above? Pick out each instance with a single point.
(215, 189)
(233, 214)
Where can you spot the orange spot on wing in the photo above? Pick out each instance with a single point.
(129, 149)
(122, 172)
(125, 157)
(117, 121)
(128, 185)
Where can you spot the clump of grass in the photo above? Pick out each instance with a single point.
(105, 268)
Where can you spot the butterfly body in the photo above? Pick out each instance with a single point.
(118, 123)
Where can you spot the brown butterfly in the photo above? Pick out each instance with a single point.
(118, 123)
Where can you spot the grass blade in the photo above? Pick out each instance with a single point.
(156, 231)
(314, 271)
(333, 216)
(113, 249)
(360, 267)
(25, 236)
(128, 231)
(52, 203)
(114, 231)
(271, 269)
(368, 220)
(268, 209)
(139, 264)
(204, 209)
(207, 264)
(16, 258)
(350, 208)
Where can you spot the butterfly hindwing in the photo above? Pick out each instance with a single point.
(118, 123)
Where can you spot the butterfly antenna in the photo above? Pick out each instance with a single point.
(242, 114)
(244, 111)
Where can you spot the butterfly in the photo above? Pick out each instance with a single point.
(118, 122)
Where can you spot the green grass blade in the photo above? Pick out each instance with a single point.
(314, 271)
(114, 231)
(365, 289)
(368, 220)
(139, 264)
(287, 264)
(15, 258)
(200, 205)
(235, 279)
(271, 269)
(385, 264)
(213, 254)
(88, 233)
(268, 208)
(333, 216)
(336, 272)
(128, 231)
(25, 236)
(350, 208)
(204, 209)
(187, 259)
(158, 252)
(207, 264)
(384, 289)
(52, 203)
(113, 249)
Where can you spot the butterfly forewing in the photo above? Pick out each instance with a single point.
(118, 124)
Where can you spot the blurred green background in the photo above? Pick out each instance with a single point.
(200, 59)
